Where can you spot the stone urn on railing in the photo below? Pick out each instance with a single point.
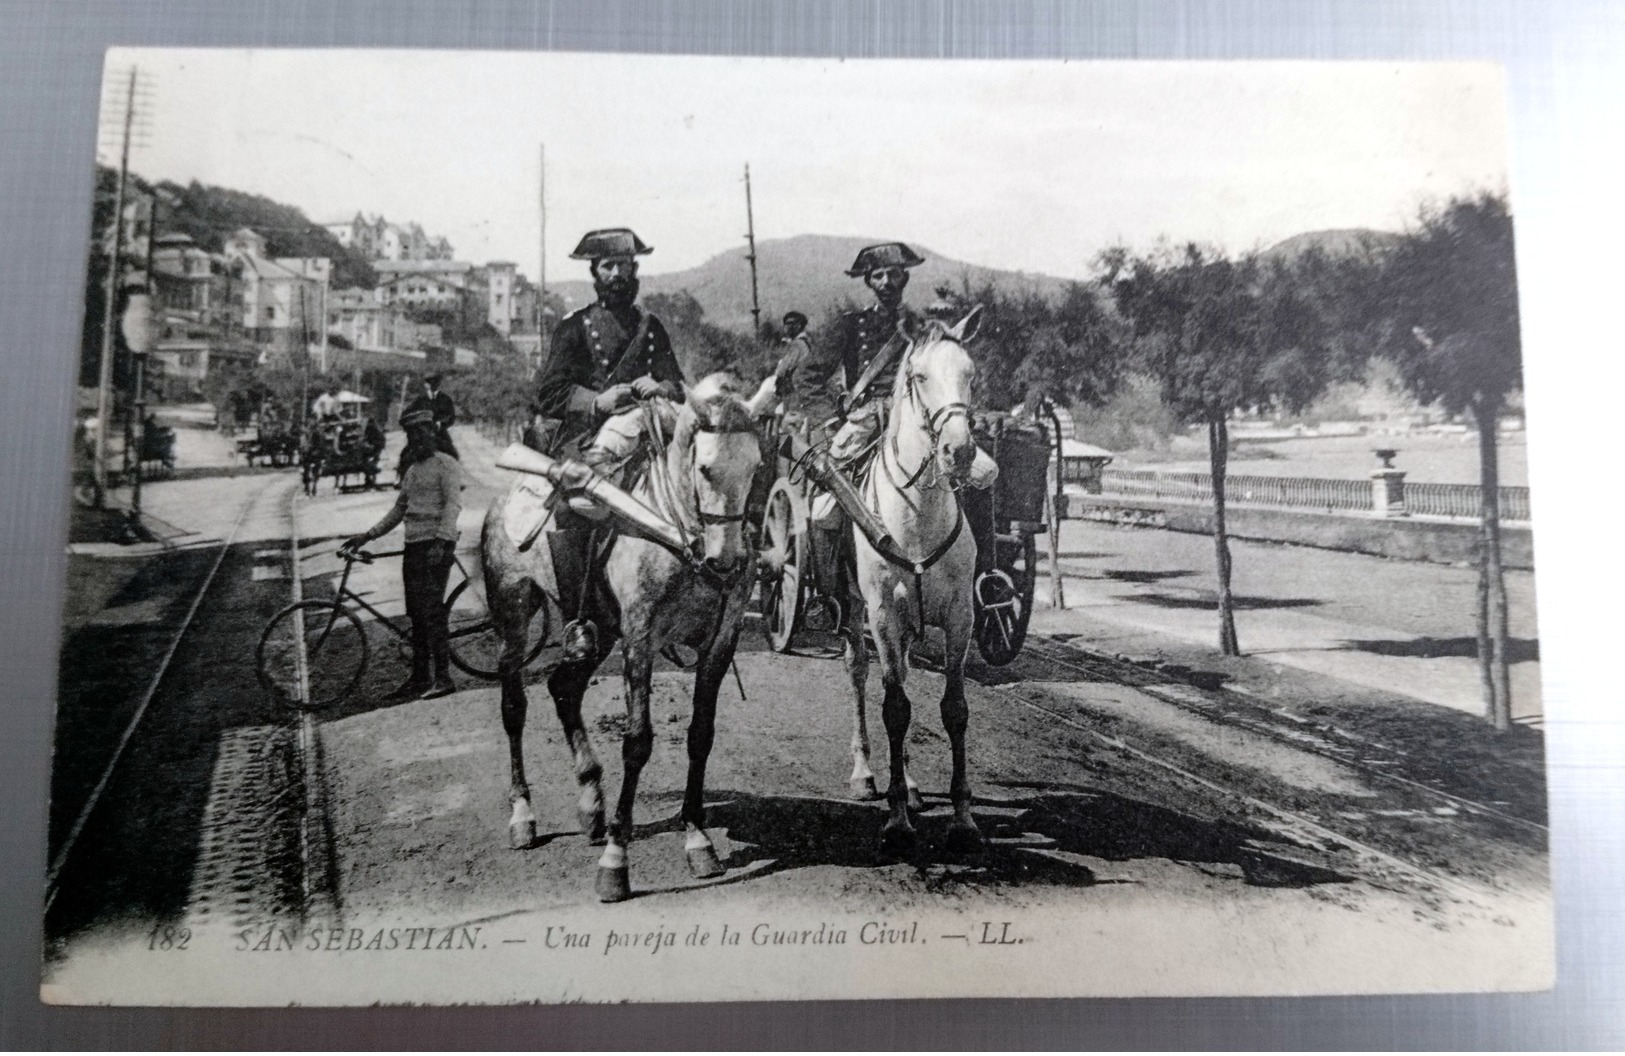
(1388, 486)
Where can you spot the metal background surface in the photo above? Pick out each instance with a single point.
(1568, 109)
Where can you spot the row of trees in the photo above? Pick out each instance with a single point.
(1213, 335)
(1218, 335)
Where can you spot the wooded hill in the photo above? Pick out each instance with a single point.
(210, 214)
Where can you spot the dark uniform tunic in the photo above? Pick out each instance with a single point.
(860, 336)
(590, 354)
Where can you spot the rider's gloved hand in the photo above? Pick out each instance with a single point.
(353, 544)
(646, 388)
(611, 400)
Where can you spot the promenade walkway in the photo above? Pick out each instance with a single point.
(1395, 628)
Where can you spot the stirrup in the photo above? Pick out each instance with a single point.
(822, 614)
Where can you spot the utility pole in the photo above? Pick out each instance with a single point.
(750, 237)
(104, 383)
(542, 336)
(304, 345)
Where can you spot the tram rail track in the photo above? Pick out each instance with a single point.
(64, 855)
(1343, 749)
(1326, 845)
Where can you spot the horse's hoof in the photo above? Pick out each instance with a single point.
(703, 863)
(964, 839)
(521, 835)
(613, 884)
(915, 803)
(593, 825)
(896, 841)
(863, 788)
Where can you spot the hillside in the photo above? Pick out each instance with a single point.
(1334, 243)
(807, 272)
(209, 214)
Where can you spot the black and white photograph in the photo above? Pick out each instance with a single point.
(630, 528)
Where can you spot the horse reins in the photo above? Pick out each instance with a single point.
(934, 422)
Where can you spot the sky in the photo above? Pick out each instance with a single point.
(1027, 166)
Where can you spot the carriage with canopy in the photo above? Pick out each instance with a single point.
(344, 447)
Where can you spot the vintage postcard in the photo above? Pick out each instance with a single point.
(590, 527)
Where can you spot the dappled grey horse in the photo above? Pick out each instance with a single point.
(652, 599)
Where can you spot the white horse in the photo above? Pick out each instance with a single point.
(926, 577)
(656, 599)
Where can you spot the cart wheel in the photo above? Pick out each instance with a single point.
(476, 645)
(1004, 599)
(784, 543)
(312, 654)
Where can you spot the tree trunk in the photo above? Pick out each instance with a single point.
(1492, 620)
(1057, 589)
(1218, 442)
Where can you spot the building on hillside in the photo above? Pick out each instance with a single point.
(196, 325)
(499, 291)
(377, 239)
(283, 301)
(370, 334)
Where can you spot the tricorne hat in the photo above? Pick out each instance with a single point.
(610, 242)
(884, 255)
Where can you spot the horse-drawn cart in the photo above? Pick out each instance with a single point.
(1004, 520)
(272, 442)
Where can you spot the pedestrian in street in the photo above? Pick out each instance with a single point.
(429, 504)
(440, 405)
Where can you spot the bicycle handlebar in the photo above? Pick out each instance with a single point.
(367, 557)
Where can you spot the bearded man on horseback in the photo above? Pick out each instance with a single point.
(603, 359)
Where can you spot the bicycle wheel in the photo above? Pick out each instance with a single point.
(476, 644)
(312, 654)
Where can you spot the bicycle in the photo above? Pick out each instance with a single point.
(314, 652)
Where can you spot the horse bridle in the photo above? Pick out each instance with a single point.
(934, 423)
(701, 568)
(706, 516)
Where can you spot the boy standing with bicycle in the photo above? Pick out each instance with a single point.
(429, 504)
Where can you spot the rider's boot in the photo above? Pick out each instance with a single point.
(825, 473)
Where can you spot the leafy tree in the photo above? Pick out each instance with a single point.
(1449, 311)
(703, 347)
(1222, 335)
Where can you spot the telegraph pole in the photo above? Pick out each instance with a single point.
(750, 237)
(104, 391)
(542, 335)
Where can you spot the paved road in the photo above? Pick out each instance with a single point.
(1140, 841)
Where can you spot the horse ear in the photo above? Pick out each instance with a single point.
(966, 328)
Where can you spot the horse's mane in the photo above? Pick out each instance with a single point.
(931, 332)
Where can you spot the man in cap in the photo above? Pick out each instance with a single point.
(806, 383)
(429, 504)
(603, 359)
(440, 405)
